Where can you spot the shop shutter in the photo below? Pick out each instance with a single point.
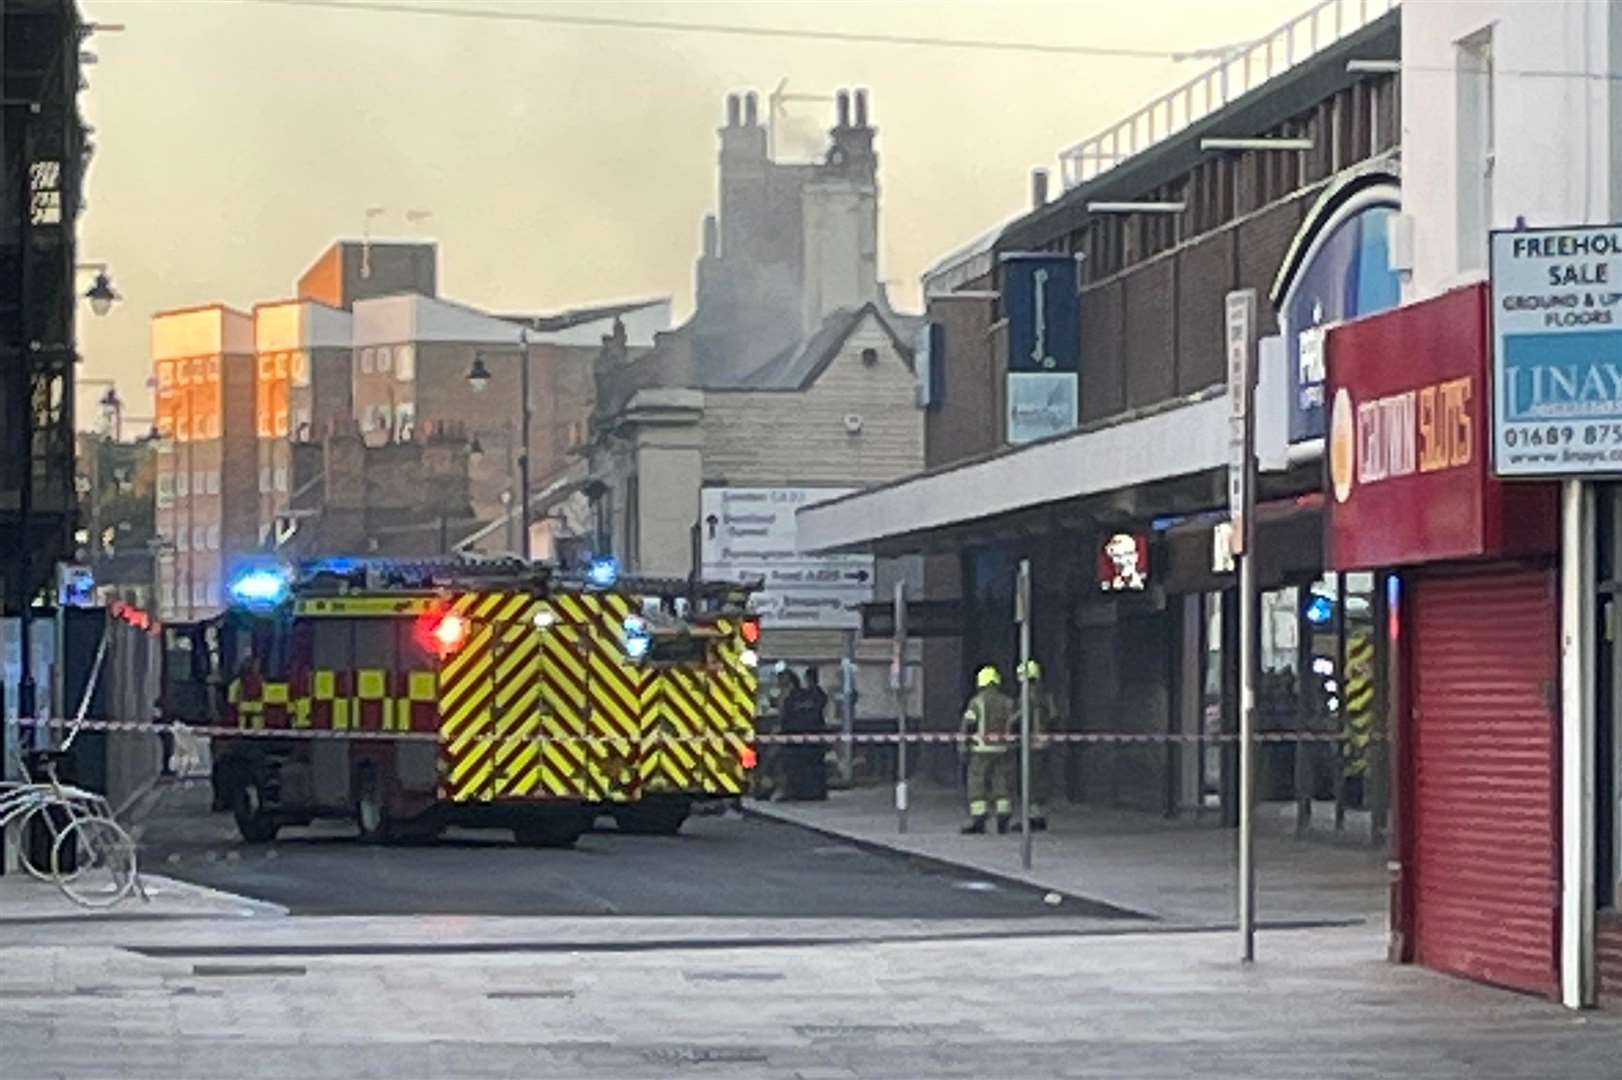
(1485, 856)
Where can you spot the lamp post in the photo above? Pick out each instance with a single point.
(478, 377)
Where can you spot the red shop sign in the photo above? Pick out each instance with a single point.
(1410, 480)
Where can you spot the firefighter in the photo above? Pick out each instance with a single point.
(985, 724)
(1044, 719)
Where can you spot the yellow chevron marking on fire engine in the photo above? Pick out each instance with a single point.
(464, 602)
(517, 663)
(476, 644)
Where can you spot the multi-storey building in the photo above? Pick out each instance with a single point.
(304, 391)
(207, 490)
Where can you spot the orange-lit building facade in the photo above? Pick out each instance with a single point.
(206, 402)
(303, 390)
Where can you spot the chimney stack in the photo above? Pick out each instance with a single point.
(732, 110)
(861, 108)
(843, 100)
(750, 109)
(1039, 188)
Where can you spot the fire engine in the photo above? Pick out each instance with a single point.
(502, 694)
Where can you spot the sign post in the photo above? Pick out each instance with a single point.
(1557, 413)
(1022, 614)
(898, 682)
(1241, 343)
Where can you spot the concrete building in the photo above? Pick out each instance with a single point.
(1502, 559)
(207, 492)
(304, 391)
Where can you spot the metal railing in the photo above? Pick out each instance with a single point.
(1239, 69)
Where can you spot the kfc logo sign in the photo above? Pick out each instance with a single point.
(1123, 563)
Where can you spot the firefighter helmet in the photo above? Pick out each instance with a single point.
(1030, 671)
(987, 676)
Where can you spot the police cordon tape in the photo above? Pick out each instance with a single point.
(831, 738)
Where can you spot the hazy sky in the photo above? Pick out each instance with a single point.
(562, 165)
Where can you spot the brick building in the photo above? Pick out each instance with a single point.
(1305, 229)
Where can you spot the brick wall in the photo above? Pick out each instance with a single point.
(967, 422)
(785, 437)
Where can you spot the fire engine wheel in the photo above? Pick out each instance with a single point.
(371, 811)
(254, 822)
(552, 829)
(652, 817)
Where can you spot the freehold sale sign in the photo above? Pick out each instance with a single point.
(1557, 351)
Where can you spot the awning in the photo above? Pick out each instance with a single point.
(1190, 437)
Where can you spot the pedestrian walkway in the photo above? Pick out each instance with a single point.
(1176, 870)
(24, 899)
(1317, 1003)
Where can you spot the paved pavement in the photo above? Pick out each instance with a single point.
(718, 866)
(24, 900)
(1180, 871)
(1143, 1005)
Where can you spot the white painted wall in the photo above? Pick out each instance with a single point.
(1556, 160)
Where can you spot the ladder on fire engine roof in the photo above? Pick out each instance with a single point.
(327, 576)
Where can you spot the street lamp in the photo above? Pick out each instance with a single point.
(478, 377)
(101, 293)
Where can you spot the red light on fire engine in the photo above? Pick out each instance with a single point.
(751, 631)
(747, 757)
(449, 633)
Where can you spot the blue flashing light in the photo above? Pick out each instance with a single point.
(603, 572)
(1320, 610)
(638, 639)
(260, 587)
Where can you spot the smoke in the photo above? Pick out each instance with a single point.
(800, 137)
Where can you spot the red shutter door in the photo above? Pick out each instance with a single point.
(1484, 793)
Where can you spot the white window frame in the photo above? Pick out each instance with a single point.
(385, 360)
(213, 538)
(366, 361)
(405, 363)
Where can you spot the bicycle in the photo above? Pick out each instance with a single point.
(93, 860)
